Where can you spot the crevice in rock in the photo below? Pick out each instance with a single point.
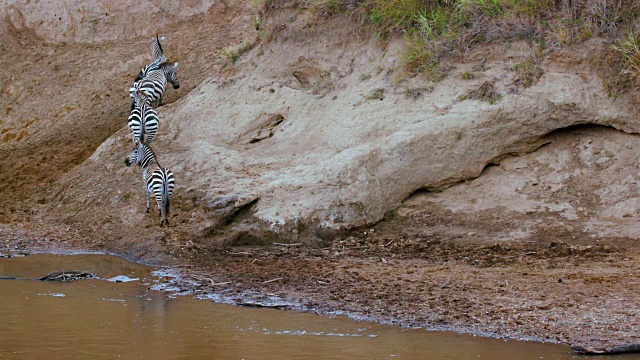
(537, 144)
(228, 216)
(266, 128)
(237, 212)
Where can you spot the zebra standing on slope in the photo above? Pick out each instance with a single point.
(157, 180)
(143, 120)
(158, 56)
(154, 84)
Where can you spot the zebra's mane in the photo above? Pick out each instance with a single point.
(147, 150)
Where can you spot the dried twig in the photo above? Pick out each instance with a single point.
(211, 282)
(259, 305)
(272, 280)
(283, 244)
(240, 253)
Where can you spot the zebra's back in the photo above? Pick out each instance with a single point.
(161, 182)
(143, 120)
(152, 86)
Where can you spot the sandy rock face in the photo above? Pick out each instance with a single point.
(96, 20)
(306, 138)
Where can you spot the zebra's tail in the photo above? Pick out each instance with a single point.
(140, 96)
(141, 139)
(158, 51)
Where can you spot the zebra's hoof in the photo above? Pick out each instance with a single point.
(147, 210)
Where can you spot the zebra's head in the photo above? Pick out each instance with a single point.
(133, 90)
(171, 73)
(135, 156)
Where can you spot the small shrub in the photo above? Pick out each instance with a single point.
(480, 8)
(467, 76)
(420, 57)
(390, 15)
(233, 53)
(375, 94)
(623, 64)
(433, 23)
(604, 16)
(364, 76)
(529, 71)
(416, 93)
(485, 92)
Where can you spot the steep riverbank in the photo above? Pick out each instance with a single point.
(471, 203)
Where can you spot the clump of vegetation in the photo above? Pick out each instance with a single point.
(485, 92)
(323, 85)
(624, 63)
(233, 53)
(420, 57)
(416, 93)
(467, 75)
(437, 29)
(364, 76)
(529, 71)
(375, 94)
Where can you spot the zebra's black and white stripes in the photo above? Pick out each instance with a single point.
(143, 120)
(156, 179)
(158, 56)
(154, 83)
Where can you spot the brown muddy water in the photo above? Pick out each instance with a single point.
(98, 318)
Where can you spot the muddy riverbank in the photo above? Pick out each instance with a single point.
(556, 291)
(134, 310)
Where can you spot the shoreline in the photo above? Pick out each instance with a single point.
(263, 276)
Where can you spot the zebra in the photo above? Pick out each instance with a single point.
(143, 120)
(155, 82)
(157, 180)
(158, 56)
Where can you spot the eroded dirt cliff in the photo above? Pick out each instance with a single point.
(316, 137)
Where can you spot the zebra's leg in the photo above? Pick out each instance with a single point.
(159, 201)
(148, 198)
(166, 210)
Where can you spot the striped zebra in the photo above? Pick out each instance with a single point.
(158, 56)
(143, 120)
(155, 82)
(157, 180)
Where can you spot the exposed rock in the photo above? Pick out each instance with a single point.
(67, 276)
(320, 164)
(96, 20)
